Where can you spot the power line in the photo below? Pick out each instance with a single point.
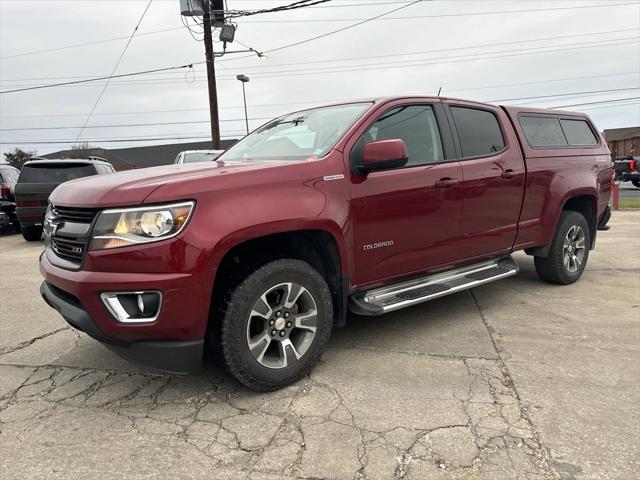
(78, 45)
(132, 124)
(339, 68)
(147, 112)
(566, 94)
(596, 103)
(124, 50)
(444, 15)
(377, 56)
(569, 94)
(76, 82)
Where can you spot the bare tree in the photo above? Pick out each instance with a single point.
(80, 150)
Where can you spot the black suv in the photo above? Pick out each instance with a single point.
(37, 180)
(628, 170)
(8, 179)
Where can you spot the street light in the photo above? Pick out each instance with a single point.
(244, 79)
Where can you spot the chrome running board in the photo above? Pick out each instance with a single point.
(404, 294)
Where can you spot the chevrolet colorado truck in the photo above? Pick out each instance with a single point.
(368, 207)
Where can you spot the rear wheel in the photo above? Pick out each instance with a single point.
(276, 324)
(569, 250)
(32, 234)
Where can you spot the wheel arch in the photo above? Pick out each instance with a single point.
(318, 245)
(583, 201)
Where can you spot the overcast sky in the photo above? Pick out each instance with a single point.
(553, 48)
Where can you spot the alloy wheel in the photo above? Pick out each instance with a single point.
(574, 249)
(282, 325)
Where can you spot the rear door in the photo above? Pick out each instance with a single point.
(406, 220)
(493, 173)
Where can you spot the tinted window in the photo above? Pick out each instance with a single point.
(542, 131)
(416, 125)
(54, 173)
(578, 132)
(478, 130)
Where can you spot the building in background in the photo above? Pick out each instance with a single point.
(623, 141)
(141, 157)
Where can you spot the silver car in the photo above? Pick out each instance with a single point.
(193, 156)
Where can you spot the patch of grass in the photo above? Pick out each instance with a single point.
(629, 203)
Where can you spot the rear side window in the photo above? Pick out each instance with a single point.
(578, 132)
(414, 124)
(556, 132)
(543, 131)
(54, 173)
(478, 130)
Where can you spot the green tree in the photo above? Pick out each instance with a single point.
(17, 157)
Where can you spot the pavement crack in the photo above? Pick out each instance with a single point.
(26, 343)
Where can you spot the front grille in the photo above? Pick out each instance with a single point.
(70, 233)
(71, 250)
(69, 214)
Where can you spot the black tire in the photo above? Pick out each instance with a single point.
(636, 182)
(32, 234)
(553, 268)
(235, 317)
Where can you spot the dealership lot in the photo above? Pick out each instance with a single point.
(516, 379)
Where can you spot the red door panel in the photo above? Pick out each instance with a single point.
(403, 223)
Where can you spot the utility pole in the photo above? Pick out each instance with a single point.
(211, 76)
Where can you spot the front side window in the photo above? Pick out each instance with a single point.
(478, 130)
(297, 136)
(414, 124)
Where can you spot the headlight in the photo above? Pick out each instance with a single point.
(131, 226)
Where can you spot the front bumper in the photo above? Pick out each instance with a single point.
(171, 356)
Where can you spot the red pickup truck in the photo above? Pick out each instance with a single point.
(368, 207)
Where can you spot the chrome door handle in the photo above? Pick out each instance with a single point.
(508, 174)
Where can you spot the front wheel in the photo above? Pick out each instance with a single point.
(32, 234)
(569, 250)
(636, 182)
(276, 324)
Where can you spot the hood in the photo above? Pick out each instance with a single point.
(131, 187)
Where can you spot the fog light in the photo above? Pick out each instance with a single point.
(133, 307)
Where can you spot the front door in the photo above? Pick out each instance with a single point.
(406, 220)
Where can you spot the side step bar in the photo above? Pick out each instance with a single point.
(404, 294)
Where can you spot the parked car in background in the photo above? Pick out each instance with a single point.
(628, 170)
(369, 206)
(194, 156)
(8, 178)
(39, 177)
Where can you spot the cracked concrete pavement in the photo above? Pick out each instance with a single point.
(513, 380)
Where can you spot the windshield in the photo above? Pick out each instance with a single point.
(55, 173)
(299, 135)
(193, 157)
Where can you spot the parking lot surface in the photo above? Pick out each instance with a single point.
(514, 380)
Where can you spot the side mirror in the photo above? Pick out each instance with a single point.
(383, 155)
